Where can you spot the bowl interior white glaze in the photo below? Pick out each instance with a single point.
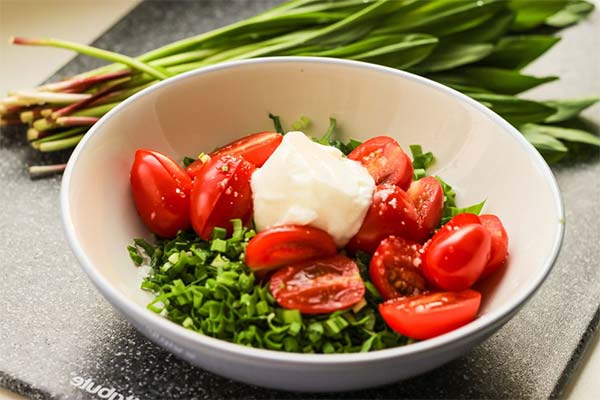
(479, 154)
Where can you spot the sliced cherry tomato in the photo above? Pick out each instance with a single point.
(456, 255)
(390, 213)
(385, 160)
(499, 250)
(319, 286)
(221, 193)
(428, 197)
(395, 268)
(195, 168)
(461, 220)
(161, 192)
(288, 244)
(429, 315)
(256, 148)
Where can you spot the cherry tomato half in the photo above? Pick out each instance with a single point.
(395, 268)
(456, 255)
(319, 286)
(429, 315)
(428, 197)
(256, 148)
(195, 168)
(461, 220)
(385, 160)
(161, 192)
(221, 193)
(390, 213)
(288, 244)
(499, 249)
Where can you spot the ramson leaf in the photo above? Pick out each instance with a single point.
(533, 13)
(485, 32)
(558, 132)
(573, 12)
(497, 80)
(443, 17)
(515, 110)
(515, 52)
(448, 55)
(569, 108)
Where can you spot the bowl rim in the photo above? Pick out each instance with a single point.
(178, 333)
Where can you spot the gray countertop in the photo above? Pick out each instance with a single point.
(56, 327)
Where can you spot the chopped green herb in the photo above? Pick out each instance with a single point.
(450, 212)
(421, 161)
(134, 255)
(277, 123)
(206, 287)
(303, 123)
(450, 208)
(187, 161)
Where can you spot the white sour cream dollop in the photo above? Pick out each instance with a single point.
(305, 183)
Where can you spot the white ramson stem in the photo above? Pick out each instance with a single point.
(38, 171)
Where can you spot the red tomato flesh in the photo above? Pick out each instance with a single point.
(499, 249)
(288, 244)
(161, 192)
(428, 197)
(390, 213)
(429, 315)
(395, 268)
(220, 193)
(195, 168)
(456, 255)
(256, 148)
(320, 286)
(385, 160)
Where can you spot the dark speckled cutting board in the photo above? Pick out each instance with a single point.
(56, 328)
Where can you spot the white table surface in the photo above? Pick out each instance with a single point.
(83, 21)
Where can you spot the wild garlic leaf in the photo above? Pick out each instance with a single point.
(558, 132)
(533, 13)
(515, 110)
(451, 55)
(497, 80)
(569, 108)
(443, 17)
(574, 12)
(485, 32)
(515, 52)
(408, 51)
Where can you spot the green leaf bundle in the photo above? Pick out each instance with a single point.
(478, 47)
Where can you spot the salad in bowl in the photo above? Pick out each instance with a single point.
(323, 266)
(285, 242)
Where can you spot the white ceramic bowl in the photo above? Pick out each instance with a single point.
(477, 152)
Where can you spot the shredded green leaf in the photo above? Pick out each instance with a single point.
(450, 208)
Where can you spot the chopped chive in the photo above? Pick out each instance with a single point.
(290, 316)
(219, 233)
(218, 245)
(134, 255)
(187, 161)
(277, 123)
(262, 308)
(290, 344)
